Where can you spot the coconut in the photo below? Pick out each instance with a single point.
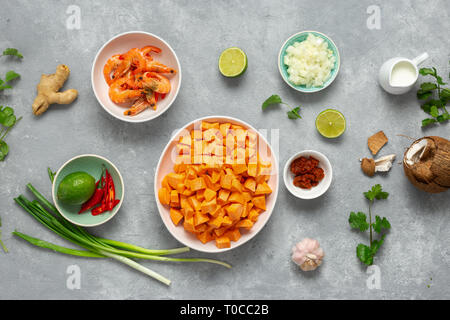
(427, 164)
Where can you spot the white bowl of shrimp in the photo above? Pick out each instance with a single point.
(136, 76)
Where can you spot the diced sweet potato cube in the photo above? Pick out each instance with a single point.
(253, 215)
(198, 184)
(216, 222)
(185, 139)
(200, 195)
(236, 185)
(188, 224)
(223, 196)
(209, 206)
(223, 242)
(239, 168)
(223, 127)
(200, 218)
(226, 221)
(174, 179)
(236, 197)
(174, 198)
(220, 231)
(246, 223)
(180, 187)
(250, 184)
(176, 216)
(215, 177)
(195, 203)
(188, 212)
(209, 194)
(263, 188)
(234, 211)
(252, 169)
(260, 202)
(226, 181)
(210, 125)
(233, 235)
(164, 196)
(165, 183)
(204, 237)
(247, 196)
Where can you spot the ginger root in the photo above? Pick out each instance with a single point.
(48, 90)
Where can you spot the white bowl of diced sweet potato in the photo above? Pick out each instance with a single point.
(216, 183)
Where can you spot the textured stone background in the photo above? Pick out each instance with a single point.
(416, 248)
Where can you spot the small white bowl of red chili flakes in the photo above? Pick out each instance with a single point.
(308, 174)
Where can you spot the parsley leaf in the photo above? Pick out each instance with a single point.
(376, 193)
(273, 99)
(276, 99)
(364, 253)
(11, 75)
(12, 52)
(380, 224)
(358, 221)
(293, 114)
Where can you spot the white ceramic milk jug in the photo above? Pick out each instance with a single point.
(398, 75)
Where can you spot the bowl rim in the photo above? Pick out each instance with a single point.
(274, 193)
(131, 119)
(297, 155)
(54, 189)
(329, 82)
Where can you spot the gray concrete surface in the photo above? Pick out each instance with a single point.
(416, 251)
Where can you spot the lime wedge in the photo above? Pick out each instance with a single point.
(232, 62)
(330, 123)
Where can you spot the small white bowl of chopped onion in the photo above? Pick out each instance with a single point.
(308, 61)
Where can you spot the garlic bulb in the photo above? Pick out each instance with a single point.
(307, 254)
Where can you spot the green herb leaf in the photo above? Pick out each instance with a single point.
(423, 95)
(358, 221)
(11, 75)
(293, 114)
(376, 244)
(427, 71)
(364, 253)
(273, 99)
(4, 150)
(9, 121)
(12, 52)
(380, 224)
(428, 86)
(445, 93)
(428, 121)
(434, 111)
(376, 193)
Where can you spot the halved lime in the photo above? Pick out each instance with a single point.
(330, 123)
(232, 62)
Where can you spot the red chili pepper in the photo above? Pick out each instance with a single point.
(108, 201)
(163, 95)
(156, 96)
(96, 198)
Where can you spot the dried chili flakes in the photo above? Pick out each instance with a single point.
(307, 172)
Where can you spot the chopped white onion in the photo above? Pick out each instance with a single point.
(309, 62)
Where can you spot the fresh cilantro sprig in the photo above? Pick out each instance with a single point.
(7, 121)
(12, 52)
(434, 96)
(358, 220)
(10, 75)
(275, 99)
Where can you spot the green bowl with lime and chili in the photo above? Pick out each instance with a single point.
(105, 199)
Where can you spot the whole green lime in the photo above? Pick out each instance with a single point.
(76, 188)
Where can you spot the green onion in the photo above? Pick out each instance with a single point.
(94, 247)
